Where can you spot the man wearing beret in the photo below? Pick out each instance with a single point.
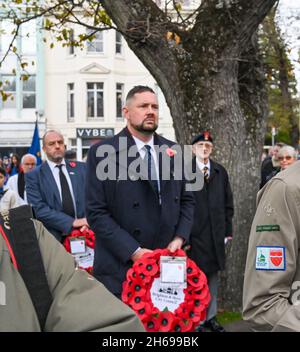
(212, 226)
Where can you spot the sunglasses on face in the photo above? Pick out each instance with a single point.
(288, 157)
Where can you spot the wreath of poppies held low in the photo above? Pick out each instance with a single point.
(136, 294)
(89, 236)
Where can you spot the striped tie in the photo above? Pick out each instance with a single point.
(205, 174)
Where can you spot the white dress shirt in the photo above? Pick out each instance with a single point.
(140, 146)
(55, 173)
(12, 184)
(201, 165)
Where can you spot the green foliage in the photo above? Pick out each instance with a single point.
(228, 317)
(281, 82)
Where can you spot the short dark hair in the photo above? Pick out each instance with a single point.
(2, 171)
(138, 89)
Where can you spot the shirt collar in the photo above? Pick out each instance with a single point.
(201, 165)
(140, 144)
(52, 165)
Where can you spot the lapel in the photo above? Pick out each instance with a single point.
(163, 156)
(45, 168)
(127, 155)
(213, 170)
(72, 171)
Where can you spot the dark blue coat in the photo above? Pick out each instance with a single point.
(126, 214)
(43, 195)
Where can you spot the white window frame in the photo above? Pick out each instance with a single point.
(95, 90)
(119, 90)
(27, 92)
(92, 44)
(4, 77)
(70, 101)
(119, 42)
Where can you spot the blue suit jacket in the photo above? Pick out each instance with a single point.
(126, 214)
(43, 195)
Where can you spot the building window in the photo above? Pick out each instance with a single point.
(119, 99)
(118, 43)
(71, 48)
(70, 102)
(95, 106)
(6, 29)
(28, 38)
(28, 99)
(9, 87)
(96, 45)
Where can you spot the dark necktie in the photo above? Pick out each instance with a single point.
(205, 174)
(21, 184)
(151, 170)
(67, 201)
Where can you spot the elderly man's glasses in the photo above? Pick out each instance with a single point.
(204, 145)
(288, 157)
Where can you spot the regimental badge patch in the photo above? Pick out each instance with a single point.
(270, 258)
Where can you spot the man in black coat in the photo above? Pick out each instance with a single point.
(212, 220)
(132, 215)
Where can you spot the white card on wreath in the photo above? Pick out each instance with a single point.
(77, 246)
(85, 260)
(173, 270)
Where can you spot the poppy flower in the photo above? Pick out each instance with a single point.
(151, 323)
(136, 302)
(127, 292)
(72, 164)
(182, 325)
(191, 269)
(131, 274)
(193, 314)
(165, 321)
(194, 281)
(145, 311)
(149, 267)
(171, 152)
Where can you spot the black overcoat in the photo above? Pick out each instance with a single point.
(212, 220)
(126, 214)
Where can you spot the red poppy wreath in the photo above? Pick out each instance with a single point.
(142, 286)
(83, 259)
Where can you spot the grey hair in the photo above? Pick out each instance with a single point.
(287, 149)
(26, 155)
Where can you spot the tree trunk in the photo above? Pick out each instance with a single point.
(207, 85)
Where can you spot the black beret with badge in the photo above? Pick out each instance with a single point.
(202, 137)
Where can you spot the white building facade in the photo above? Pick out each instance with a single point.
(25, 102)
(85, 90)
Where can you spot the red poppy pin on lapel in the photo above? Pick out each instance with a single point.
(171, 152)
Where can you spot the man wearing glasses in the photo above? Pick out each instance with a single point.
(212, 221)
(287, 155)
(17, 182)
